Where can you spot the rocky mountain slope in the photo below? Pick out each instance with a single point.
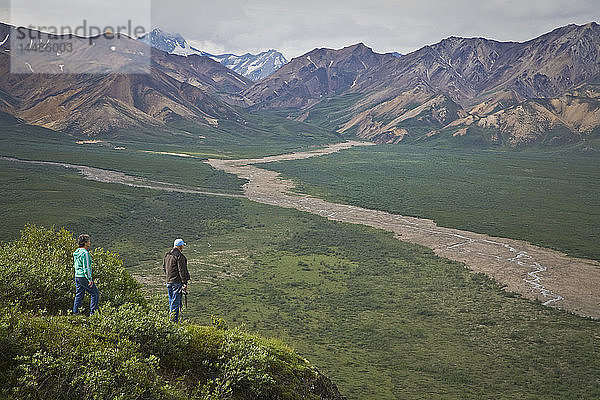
(444, 87)
(558, 120)
(471, 90)
(305, 80)
(253, 66)
(113, 88)
(172, 43)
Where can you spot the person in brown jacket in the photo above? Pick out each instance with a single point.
(175, 267)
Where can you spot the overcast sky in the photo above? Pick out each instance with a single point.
(297, 26)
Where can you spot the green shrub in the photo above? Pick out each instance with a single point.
(129, 349)
(239, 365)
(149, 326)
(218, 322)
(59, 357)
(116, 355)
(36, 272)
(242, 367)
(116, 285)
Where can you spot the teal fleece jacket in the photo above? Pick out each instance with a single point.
(82, 262)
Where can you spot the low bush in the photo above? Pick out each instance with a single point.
(36, 272)
(60, 357)
(129, 349)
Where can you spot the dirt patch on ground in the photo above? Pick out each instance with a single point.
(537, 273)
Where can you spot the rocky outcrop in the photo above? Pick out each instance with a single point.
(565, 119)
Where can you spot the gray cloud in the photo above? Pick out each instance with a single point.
(295, 27)
(73, 14)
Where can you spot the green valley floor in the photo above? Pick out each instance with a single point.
(382, 318)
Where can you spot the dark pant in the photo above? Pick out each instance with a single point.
(81, 286)
(174, 290)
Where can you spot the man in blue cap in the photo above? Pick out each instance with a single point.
(175, 267)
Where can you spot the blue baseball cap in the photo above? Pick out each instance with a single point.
(178, 242)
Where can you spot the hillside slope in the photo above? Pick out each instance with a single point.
(107, 86)
(320, 73)
(128, 350)
(442, 87)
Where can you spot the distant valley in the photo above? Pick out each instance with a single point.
(438, 244)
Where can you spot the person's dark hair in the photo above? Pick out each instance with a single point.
(83, 239)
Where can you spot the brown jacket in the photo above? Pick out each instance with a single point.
(175, 266)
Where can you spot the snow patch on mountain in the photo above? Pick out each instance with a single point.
(252, 66)
(171, 43)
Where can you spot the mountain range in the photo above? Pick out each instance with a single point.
(543, 90)
(253, 66)
(91, 102)
(459, 90)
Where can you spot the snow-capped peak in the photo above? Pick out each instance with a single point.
(172, 43)
(252, 66)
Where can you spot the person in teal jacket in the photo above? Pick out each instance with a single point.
(82, 262)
